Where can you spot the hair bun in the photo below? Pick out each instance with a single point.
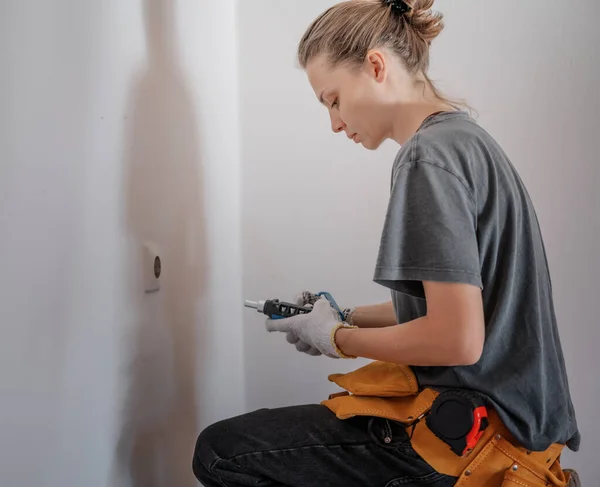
(427, 23)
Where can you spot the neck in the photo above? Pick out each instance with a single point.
(419, 101)
(408, 119)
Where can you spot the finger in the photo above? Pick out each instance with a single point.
(284, 325)
(323, 302)
(292, 337)
(314, 352)
(303, 346)
(324, 306)
(299, 299)
(304, 299)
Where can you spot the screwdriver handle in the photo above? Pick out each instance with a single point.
(276, 310)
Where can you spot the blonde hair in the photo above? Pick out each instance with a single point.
(346, 32)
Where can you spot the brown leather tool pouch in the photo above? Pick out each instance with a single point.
(500, 463)
(392, 391)
(380, 389)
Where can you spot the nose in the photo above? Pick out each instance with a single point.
(337, 125)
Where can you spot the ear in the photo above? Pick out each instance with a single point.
(376, 65)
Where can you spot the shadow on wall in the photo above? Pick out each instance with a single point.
(165, 207)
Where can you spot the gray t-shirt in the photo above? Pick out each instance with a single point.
(459, 212)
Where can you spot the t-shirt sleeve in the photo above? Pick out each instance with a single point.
(430, 231)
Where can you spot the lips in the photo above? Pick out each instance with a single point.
(353, 136)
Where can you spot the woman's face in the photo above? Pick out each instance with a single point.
(356, 98)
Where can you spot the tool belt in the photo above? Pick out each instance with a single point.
(488, 456)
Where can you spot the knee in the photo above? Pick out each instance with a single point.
(218, 444)
(205, 452)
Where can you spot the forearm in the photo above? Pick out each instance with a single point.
(420, 342)
(374, 316)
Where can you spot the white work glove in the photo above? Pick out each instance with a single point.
(304, 299)
(316, 329)
(300, 345)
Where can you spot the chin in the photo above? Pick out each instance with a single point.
(371, 145)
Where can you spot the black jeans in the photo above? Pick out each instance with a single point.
(308, 446)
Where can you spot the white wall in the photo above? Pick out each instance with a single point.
(116, 126)
(314, 203)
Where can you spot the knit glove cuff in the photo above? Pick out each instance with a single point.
(334, 345)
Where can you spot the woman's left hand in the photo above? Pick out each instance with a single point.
(317, 328)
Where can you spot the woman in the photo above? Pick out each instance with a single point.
(471, 309)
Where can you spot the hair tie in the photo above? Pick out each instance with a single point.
(398, 6)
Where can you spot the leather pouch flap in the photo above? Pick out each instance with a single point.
(401, 409)
(380, 379)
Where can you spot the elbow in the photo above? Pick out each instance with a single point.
(468, 357)
(468, 350)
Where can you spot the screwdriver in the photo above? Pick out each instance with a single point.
(276, 309)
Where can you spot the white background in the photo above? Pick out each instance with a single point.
(200, 134)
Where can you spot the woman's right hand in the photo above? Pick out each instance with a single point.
(301, 346)
(370, 316)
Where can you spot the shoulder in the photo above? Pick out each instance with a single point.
(453, 142)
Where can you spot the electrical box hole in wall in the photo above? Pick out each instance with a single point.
(152, 267)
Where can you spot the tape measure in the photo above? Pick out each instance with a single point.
(458, 418)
